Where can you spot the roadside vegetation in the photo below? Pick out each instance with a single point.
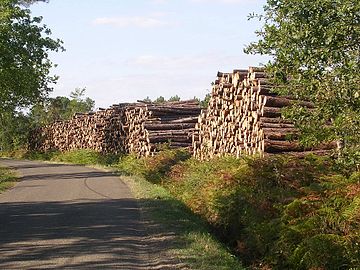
(7, 178)
(276, 212)
(193, 242)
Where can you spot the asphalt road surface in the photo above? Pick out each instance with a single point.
(70, 217)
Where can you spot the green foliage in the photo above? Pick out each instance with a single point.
(160, 99)
(17, 125)
(153, 169)
(204, 103)
(7, 178)
(174, 98)
(279, 212)
(84, 157)
(35, 155)
(24, 63)
(275, 212)
(14, 130)
(61, 108)
(191, 241)
(30, 2)
(322, 228)
(315, 47)
(81, 156)
(24, 69)
(131, 165)
(147, 99)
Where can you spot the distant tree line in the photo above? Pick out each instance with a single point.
(17, 125)
(203, 102)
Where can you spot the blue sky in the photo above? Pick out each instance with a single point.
(122, 51)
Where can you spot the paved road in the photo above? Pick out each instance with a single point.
(70, 217)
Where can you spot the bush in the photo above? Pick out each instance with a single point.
(85, 157)
(79, 156)
(7, 178)
(282, 212)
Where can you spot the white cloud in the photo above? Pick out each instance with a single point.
(136, 21)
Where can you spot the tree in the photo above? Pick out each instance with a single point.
(205, 102)
(24, 68)
(315, 50)
(174, 98)
(14, 130)
(24, 62)
(30, 2)
(79, 103)
(160, 99)
(61, 108)
(147, 100)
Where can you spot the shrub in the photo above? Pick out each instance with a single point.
(85, 157)
(283, 212)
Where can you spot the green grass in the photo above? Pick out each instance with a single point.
(193, 245)
(81, 156)
(7, 178)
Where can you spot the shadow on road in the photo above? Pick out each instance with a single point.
(28, 165)
(89, 233)
(78, 235)
(67, 176)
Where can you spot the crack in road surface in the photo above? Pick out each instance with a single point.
(71, 217)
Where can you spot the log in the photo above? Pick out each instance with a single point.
(273, 101)
(272, 146)
(173, 126)
(275, 120)
(275, 125)
(271, 112)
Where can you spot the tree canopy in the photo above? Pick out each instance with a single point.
(315, 50)
(16, 125)
(61, 108)
(24, 57)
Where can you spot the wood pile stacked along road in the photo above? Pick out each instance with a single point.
(244, 117)
(149, 126)
(140, 128)
(99, 131)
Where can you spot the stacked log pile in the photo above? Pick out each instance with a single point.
(244, 117)
(99, 131)
(140, 128)
(149, 126)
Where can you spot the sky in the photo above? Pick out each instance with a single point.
(123, 51)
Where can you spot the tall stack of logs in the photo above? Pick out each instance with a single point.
(244, 117)
(150, 126)
(140, 128)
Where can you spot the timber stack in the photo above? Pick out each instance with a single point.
(98, 131)
(244, 117)
(150, 127)
(140, 128)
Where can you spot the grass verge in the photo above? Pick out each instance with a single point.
(7, 178)
(193, 244)
(277, 212)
